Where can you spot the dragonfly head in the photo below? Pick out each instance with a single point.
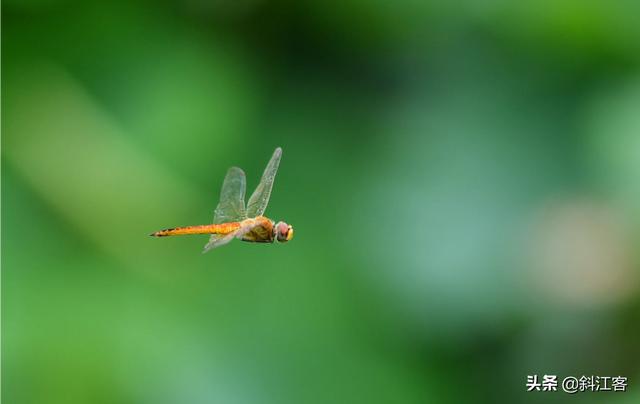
(284, 232)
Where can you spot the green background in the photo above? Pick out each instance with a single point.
(463, 180)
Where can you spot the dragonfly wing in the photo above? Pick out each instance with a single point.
(231, 205)
(218, 240)
(260, 199)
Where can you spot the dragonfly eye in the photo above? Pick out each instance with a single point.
(282, 232)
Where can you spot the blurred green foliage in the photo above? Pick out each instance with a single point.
(462, 177)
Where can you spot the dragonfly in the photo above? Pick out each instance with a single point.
(232, 220)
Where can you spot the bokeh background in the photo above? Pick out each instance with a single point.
(463, 179)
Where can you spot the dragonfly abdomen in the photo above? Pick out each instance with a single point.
(223, 228)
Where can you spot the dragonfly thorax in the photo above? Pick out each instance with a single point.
(283, 232)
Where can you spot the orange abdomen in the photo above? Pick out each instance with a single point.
(223, 228)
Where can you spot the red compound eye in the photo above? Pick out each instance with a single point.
(282, 232)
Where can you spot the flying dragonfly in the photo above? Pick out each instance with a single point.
(233, 220)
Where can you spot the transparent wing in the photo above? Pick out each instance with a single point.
(218, 240)
(231, 205)
(260, 199)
